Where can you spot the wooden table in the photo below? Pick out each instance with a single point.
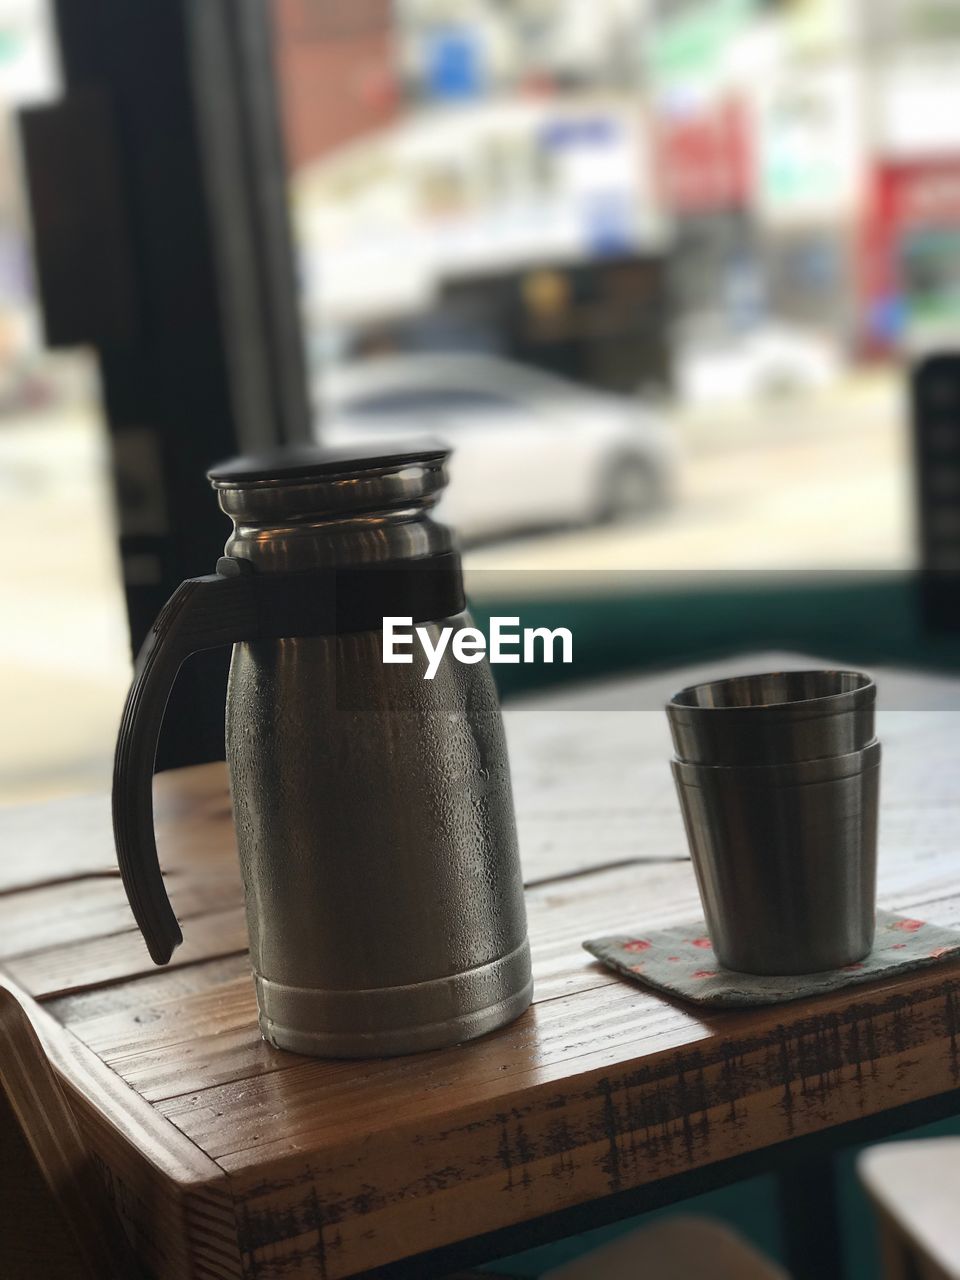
(228, 1158)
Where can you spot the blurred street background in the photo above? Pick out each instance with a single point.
(654, 268)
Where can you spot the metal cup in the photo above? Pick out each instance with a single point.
(785, 857)
(774, 718)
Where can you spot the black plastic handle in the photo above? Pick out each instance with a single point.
(203, 613)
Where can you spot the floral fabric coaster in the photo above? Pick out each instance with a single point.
(680, 960)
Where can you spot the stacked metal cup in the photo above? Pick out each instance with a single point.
(778, 777)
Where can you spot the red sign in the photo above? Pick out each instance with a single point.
(704, 159)
(904, 196)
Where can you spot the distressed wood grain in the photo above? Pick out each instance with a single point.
(553, 1138)
(173, 1198)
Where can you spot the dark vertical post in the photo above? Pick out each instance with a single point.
(202, 356)
(935, 397)
(810, 1225)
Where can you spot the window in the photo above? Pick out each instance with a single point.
(665, 209)
(64, 643)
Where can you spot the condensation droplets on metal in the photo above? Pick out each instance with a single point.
(373, 808)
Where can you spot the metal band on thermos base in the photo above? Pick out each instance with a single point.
(395, 1020)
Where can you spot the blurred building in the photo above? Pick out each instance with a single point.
(336, 72)
(910, 277)
(760, 157)
(704, 154)
(792, 165)
(473, 48)
(509, 206)
(808, 153)
(437, 231)
(28, 74)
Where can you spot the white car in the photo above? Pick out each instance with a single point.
(714, 363)
(529, 449)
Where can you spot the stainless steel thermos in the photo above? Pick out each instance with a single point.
(373, 807)
(778, 779)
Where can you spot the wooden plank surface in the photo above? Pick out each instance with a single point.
(332, 1167)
